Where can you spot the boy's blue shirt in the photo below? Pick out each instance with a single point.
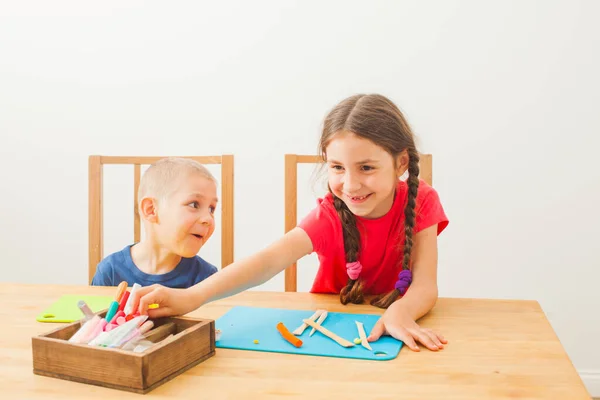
(119, 267)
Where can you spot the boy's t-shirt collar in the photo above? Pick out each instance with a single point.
(182, 268)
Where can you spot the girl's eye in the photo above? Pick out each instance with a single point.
(337, 167)
(212, 209)
(194, 204)
(367, 168)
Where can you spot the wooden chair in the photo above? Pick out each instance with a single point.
(291, 195)
(95, 221)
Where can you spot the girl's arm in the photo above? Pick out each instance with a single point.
(423, 291)
(236, 277)
(255, 269)
(399, 320)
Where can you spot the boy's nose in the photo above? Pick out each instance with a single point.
(205, 219)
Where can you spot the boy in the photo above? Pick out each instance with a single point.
(177, 199)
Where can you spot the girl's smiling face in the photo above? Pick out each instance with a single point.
(362, 174)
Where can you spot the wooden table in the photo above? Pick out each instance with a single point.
(497, 350)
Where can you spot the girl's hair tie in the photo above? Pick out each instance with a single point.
(404, 281)
(353, 269)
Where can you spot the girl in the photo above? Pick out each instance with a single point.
(374, 233)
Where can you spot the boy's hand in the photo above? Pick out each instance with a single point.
(397, 323)
(170, 301)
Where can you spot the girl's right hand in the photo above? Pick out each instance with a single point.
(170, 301)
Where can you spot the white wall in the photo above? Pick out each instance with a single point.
(504, 94)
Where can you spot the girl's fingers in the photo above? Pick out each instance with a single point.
(442, 338)
(438, 336)
(405, 336)
(424, 338)
(410, 342)
(377, 331)
(155, 295)
(434, 338)
(160, 312)
(135, 298)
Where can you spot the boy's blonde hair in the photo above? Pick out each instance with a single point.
(162, 178)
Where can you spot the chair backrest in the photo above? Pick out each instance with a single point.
(291, 196)
(95, 215)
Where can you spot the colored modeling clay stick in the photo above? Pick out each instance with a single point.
(99, 328)
(120, 291)
(146, 326)
(319, 322)
(129, 305)
(116, 335)
(298, 331)
(287, 335)
(93, 329)
(137, 343)
(112, 310)
(117, 315)
(123, 301)
(120, 321)
(98, 339)
(85, 309)
(362, 335)
(137, 333)
(142, 346)
(160, 332)
(85, 328)
(339, 340)
(152, 306)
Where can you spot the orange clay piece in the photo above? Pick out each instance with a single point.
(120, 290)
(287, 335)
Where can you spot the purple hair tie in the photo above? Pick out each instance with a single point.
(404, 281)
(353, 269)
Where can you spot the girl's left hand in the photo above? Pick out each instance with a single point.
(396, 322)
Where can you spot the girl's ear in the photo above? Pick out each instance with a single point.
(149, 209)
(402, 163)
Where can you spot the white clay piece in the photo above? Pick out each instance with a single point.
(299, 330)
(362, 335)
(339, 340)
(319, 322)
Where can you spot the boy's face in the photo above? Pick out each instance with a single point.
(186, 218)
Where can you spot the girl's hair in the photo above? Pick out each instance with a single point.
(376, 118)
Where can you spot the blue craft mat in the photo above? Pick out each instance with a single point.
(241, 325)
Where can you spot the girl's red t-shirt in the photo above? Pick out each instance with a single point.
(381, 240)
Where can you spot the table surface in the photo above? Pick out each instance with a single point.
(498, 349)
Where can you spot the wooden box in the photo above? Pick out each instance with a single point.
(193, 342)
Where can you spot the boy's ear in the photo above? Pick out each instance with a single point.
(401, 163)
(149, 209)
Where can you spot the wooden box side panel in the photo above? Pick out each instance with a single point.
(87, 364)
(181, 323)
(194, 343)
